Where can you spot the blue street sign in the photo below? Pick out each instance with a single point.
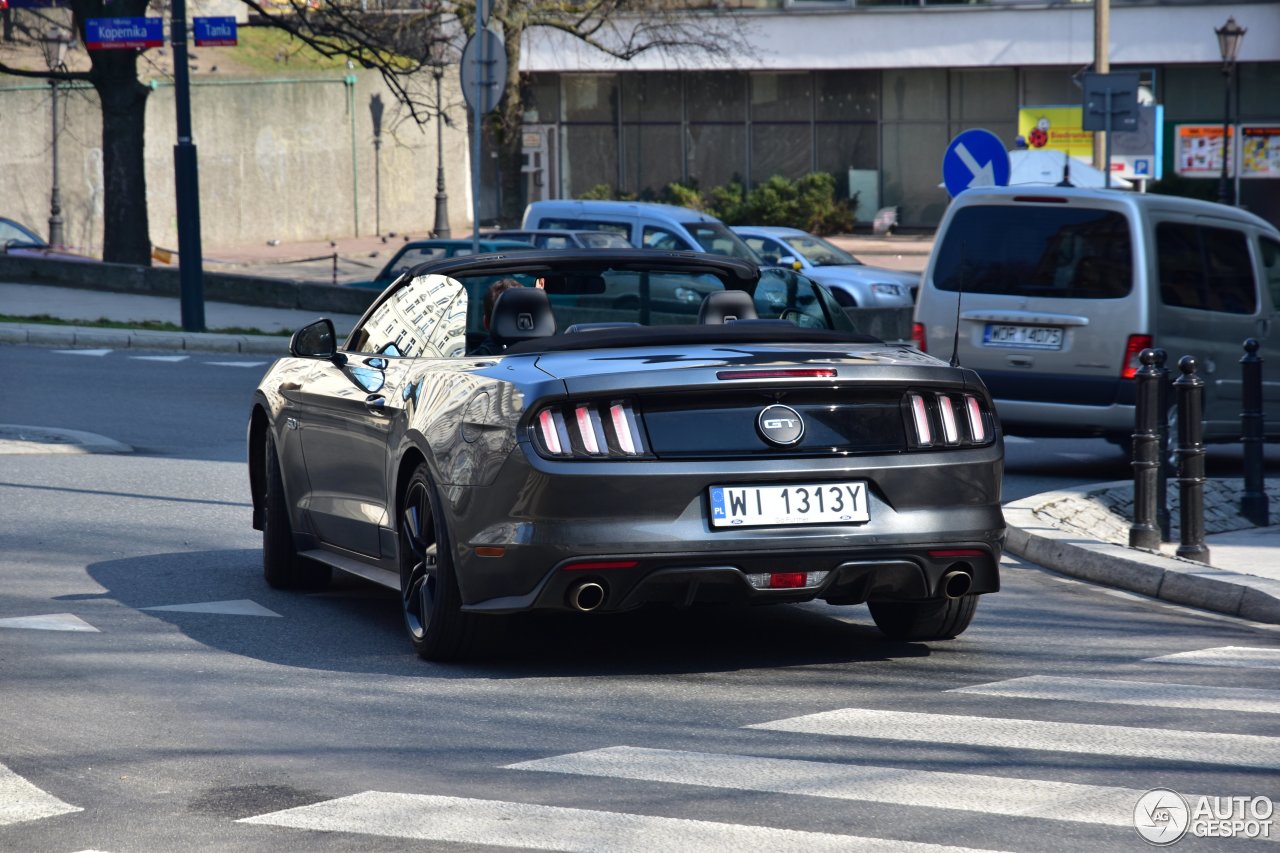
(975, 158)
(215, 32)
(123, 33)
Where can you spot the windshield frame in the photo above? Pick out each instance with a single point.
(812, 241)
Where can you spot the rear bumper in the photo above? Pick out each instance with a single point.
(1026, 417)
(653, 517)
(908, 574)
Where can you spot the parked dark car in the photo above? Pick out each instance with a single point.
(420, 251)
(550, 238)
(747, 449)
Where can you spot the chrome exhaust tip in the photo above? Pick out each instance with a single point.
(956, 583)
(586, 596)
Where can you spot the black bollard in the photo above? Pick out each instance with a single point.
(1167, 469)
(1253, 503)
(1148, 467)
(1190, 392)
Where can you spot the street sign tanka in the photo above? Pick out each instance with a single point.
(215, 32)
(975, 158)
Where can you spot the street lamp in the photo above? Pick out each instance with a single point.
(1229, 35)
(375, 113)
(54, 43)
(441, 229)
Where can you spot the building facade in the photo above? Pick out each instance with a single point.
(873, 94)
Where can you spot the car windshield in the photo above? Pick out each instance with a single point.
(13, 234)
(411, 257)
(1027, 250)
(718, 240)
(819, 252)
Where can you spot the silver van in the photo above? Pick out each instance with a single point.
(645, 224)
(1057, 290)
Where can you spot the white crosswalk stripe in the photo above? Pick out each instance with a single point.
(1239, 656)
(21, 801)
(237, 363)
(1081, 738)
(1145, 693)
(535, 827)
(923, 788)
(172, 358)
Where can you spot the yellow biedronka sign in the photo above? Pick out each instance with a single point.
(1057, 129)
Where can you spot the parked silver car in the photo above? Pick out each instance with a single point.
(853, 283)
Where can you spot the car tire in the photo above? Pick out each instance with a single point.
(924, 620)
(282, 567)
(430, 600)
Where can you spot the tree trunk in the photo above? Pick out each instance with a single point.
(126, 232)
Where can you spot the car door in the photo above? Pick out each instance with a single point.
(1269, 330)
(355, 408)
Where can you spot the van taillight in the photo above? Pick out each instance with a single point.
(917, 336)
(1132, 349)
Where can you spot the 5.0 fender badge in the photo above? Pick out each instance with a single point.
(780, 425)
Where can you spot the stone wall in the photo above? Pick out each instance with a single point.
(279, 159)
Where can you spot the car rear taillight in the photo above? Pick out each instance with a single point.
(595, 430)
(917, 336)
(1132, 349)
(950, 420)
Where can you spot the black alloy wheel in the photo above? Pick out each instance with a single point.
(438, 629)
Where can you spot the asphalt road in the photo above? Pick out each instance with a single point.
(157, 695)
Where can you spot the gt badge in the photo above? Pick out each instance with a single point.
(780, 425)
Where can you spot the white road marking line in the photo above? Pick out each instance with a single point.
(159, 357)
(535, 827)
(21, 801)
(48, 622)
(1241, 656)
(237, 363)
(238, 607)
(1082, 738)
(1238, 699)
(94, 352)
(1095, 804)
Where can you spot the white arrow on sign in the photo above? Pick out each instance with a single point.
(983, 176)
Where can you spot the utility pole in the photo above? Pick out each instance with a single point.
(186, 177)
(1101, 65)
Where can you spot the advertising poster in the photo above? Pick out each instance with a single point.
(1260, 151)
(1059, 128)
(1198, 150)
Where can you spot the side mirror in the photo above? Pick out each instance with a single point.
(314, 340)
(793, 263)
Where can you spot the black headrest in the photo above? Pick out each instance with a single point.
(522, 314)
(720, 306)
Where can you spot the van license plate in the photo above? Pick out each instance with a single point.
(1023, 337)
(807, 503)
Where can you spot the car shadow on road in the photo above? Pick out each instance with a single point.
(355, 626)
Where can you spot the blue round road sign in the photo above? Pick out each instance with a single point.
(975, 158)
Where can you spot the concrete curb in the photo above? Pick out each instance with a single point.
(1167, 578)
(83, 336)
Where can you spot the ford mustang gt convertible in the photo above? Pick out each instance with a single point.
(747, 448)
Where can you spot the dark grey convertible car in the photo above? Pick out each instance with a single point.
(749, 448)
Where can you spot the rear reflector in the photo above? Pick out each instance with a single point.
(788, 373)
(1041, 199)
(490, 551)
(600, 564)
(787, 580)
(1132, 349)
(956, 552)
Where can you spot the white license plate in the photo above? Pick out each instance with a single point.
(806, 503)
(1033, 337)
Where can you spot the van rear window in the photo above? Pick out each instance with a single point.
(1025, 250)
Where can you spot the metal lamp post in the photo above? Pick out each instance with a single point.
(1229, 35)
(55, 42)
(375, 112)
(441, 229)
